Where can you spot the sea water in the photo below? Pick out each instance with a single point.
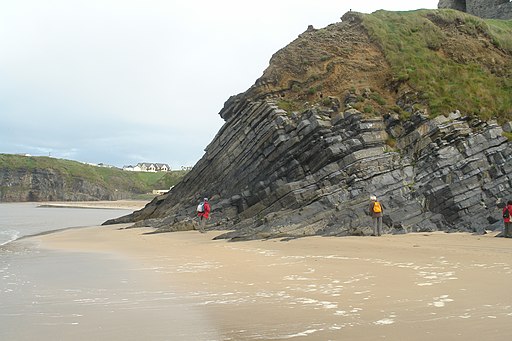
(56, 295)
(24, 219)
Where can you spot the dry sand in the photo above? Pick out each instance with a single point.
(431, 286)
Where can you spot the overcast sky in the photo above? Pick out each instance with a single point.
(128, 81)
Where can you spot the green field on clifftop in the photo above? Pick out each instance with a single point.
(137, 183)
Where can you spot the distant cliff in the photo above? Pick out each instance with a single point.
(24, 178)
(407, 106)
(48, 185)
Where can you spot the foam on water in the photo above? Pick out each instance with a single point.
(384, 321)
(304, 333)
(7, 236)
(440, 302)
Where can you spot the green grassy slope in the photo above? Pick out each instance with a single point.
(109, 178)
(452, 60)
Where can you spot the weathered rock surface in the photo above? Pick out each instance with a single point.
(493, 9)
(273, 173)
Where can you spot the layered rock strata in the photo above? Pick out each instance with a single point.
(274, 174)
(271, 172)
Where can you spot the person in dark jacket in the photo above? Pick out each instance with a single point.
(376, 211)
(507, 220)
(204, 214)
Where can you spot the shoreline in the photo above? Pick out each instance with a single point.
(79, 295)
(19, 219)
(419, 285)
(102, 204)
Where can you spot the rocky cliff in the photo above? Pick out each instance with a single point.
(329, 124)
(19, 185)
(38, 178)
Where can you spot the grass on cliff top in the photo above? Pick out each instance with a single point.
(112, 178)
(411, 43)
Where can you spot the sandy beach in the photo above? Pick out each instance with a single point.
(117, 204)
(415, 286)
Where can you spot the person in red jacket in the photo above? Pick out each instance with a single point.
(507, 219)
(203, 214)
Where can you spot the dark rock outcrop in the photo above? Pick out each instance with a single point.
(492, 9)
(271, 172)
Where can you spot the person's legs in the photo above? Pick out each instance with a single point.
(506, 232)
(379, 227)
(200, 224)
(203, 224)
(375, 223)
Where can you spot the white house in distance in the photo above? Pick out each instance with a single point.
(131, 168)
(148, 167)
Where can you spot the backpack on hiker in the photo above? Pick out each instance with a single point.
(506, 213)
(200, 207)
(377, 208)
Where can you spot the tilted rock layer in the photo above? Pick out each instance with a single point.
(271, 172)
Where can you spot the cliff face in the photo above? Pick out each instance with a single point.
(313, 174)
(40, 178)
(20, 185)
(278, 171)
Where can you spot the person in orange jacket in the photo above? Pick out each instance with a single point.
(376, 211)
(203, 212)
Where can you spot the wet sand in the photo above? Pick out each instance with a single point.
(433, 286)
(49, 295)
(116, 204)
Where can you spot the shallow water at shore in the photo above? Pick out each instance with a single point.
(24, 219)
(50, 295)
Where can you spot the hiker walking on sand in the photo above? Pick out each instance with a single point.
(203, 212)
(507, 220)
(376, 210)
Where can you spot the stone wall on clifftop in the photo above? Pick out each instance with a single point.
(493, 9)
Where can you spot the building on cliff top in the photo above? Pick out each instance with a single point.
(148, 167)
(490, 9)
